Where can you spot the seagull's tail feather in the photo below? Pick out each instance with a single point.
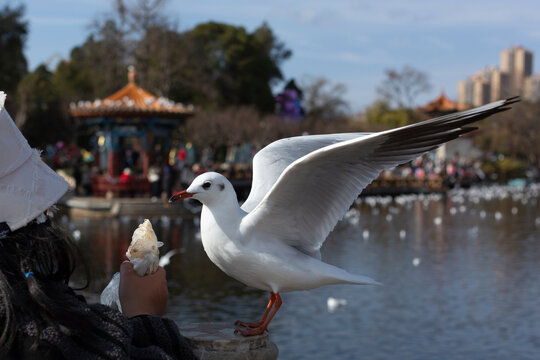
(349, 278)
(338, 275)
(364, 280)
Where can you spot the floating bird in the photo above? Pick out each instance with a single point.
(166, 259)
(76, 234)
(332, 304)
(302, 186)
(365, 234)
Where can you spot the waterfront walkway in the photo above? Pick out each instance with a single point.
(109, 207)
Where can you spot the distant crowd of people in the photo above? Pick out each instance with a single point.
(458, 170)
(178, 167)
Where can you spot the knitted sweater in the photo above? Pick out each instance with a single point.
(113, 336)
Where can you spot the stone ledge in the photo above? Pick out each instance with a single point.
(211, 341)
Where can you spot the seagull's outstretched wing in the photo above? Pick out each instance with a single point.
(271, 161)
(314, 192)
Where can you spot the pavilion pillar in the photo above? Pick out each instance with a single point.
(145, 163)
(145, 154)
(113, 154)
(113, 163)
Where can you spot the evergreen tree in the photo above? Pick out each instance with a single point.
(40, 107)
(225, 65)
(13, 65)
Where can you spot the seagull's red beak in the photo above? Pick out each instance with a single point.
(179, 195)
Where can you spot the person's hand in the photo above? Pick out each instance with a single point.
(142, 295)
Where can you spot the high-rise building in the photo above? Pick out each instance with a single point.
(465, 92)
(476, 90)
(500, 84)
(507, 61)
(518, 63)
(481, 90)
(532, 88)
(512, 79)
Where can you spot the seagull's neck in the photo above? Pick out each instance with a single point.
(226, 213)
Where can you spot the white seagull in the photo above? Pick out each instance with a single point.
(302, 186)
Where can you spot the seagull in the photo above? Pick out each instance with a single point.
(166, 259)
(302, 186)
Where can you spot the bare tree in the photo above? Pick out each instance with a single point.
(228, 127)
(324, 100)
(236, 125)
(401, 87)
(134, 18)
(514, 133)
(143, 35)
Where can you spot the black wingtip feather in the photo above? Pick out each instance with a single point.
(468, 129)
(512, 100)
(437, 130)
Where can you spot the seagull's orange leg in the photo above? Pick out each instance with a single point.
(264, 326)
(258, 324)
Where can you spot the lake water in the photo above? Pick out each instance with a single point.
(461, 278)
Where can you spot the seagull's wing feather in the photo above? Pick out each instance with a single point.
(271, 161)
(314, 192)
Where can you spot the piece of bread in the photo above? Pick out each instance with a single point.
(143, 251)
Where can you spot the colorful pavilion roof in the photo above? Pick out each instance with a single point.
(442, 105)
(131, 101)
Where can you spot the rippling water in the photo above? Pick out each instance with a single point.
(461, 278)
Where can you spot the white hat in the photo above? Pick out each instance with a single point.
(28, 187)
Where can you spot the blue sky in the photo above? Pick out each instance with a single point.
(346, 41)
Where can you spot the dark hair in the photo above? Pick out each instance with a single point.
(49, 254)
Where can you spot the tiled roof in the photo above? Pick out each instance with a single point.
(131, 101)
(442, 104)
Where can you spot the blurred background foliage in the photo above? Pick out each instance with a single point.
(229, 74)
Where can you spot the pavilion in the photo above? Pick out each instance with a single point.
(462, 145)
(441, 106)
(132, 128)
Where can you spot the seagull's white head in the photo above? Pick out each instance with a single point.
(208, 188)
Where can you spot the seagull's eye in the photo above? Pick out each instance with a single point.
(206, 185)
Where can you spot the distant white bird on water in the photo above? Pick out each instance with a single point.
(302, 187)
(166, 259)
(332, 304)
